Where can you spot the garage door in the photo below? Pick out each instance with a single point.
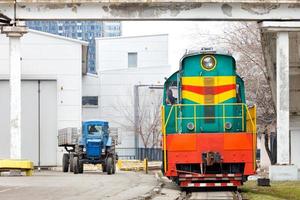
(38, 121)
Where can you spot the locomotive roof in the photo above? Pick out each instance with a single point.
(203, 51)
(206, 51)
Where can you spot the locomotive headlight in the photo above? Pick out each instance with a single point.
(190, 126)
(208, 62)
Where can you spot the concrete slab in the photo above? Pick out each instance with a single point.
(212, 195)
(22, 165)
(283, 172)
(168, 194)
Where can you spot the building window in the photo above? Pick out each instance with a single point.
(90, 101)
(132, 59)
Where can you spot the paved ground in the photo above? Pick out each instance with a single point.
(169, 191)
(90, 185)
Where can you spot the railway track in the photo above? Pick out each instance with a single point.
(169, 190)
(211, 195)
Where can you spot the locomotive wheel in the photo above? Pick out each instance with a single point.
(71, 162)
(65, 162)
(76, 165)
(109, 165)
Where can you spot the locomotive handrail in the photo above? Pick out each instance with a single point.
(253, 122)
(195, 117)
(164, 124)
(223, 112)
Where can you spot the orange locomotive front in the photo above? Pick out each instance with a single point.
(209, 133)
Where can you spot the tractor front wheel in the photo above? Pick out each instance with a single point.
(65, 162)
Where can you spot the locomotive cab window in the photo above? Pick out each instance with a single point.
(238, 93)
(171, 95)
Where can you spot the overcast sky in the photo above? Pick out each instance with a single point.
(182, 34)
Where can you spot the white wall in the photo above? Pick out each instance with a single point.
(91, 87)
(45, 56)
(295, 112)
(116, 81)
(152, 51)
(294, 120)
(116, 95)
(295, 147)
(264, 158)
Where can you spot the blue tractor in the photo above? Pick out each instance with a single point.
(93, 145)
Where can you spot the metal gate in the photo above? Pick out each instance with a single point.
(38, 121)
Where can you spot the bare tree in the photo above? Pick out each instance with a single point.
(149, 116)
(244, 39)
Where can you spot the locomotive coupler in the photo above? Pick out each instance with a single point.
(209, 158)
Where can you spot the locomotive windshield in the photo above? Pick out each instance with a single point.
(171, 90)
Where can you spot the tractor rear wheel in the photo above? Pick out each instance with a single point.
(71, 162)
(104, 167)
(80, 167)
(109, 165)
(65, 162)
(76, 165)
(114, 167)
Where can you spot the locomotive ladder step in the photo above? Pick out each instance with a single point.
(194, 175)
(210, 178)
(188, 184)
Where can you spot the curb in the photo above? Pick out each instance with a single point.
(155, 191)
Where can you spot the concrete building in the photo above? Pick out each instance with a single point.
(50, 93)
(125, 63)
(282, 54)
(81, 30)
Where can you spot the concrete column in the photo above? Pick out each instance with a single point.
(15, 33)
(15, 97)
(282, 84)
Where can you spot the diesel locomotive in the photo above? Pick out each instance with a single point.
(209, 132)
